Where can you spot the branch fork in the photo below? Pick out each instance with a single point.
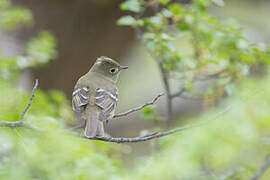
(20, 122)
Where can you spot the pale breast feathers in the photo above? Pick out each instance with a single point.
(107, 102)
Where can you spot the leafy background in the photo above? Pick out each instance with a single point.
(231, 145)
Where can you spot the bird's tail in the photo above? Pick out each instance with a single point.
(91, 125)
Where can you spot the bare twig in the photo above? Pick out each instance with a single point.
(179, 93)
(11, 124)
(30, 100)
(156, 134)
(191, 98)
(139, 108)
(230, 174)
(265, 164)
(20, 122)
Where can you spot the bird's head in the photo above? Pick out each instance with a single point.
(107, 67)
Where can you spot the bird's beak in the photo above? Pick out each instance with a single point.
(123, 67)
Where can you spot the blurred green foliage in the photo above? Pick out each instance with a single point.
(11, 17)
(39, 51)
(231, 146)
(215, 44)
(191, 44)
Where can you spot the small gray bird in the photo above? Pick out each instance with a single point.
(95, 95)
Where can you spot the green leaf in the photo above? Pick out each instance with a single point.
(126, 21)
(148, 35)
(203, 3)
(155, 20)
(41, 49)
(131, 5)
(148, 113)
(140, 22)
(176, 9)
(11, 18)
(183, 26)
(164, 2)
(246, 57)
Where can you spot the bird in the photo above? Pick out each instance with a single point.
(95, 96)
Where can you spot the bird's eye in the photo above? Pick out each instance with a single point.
(113, 70)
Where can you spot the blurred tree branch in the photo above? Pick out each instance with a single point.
(177, 94)
(165, 79)
(145, 137)
(265, 164)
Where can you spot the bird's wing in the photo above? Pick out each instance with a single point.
(107, 102)
(80, 98)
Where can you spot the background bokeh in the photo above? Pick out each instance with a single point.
(79, 32)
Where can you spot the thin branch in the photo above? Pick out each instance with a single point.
(179, 93)
(144, 138)
(265, 164)
(156, 134)
(20, 122)
(138, 108)
(30, 100)
(198, 78)
(231, 173)
(192, 98)
(11, 124)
